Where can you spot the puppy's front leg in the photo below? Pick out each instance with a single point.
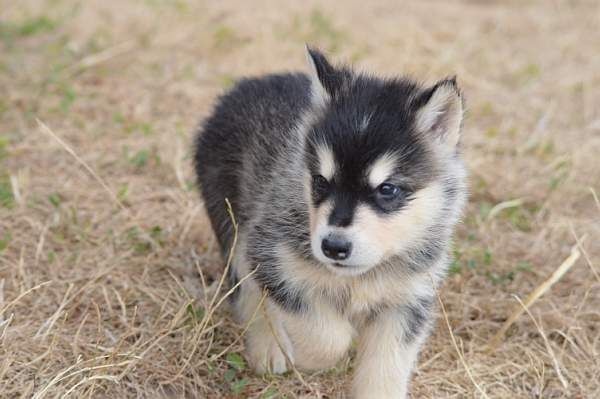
(268, 347)
(388, 349)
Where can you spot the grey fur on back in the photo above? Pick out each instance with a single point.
(250, 131)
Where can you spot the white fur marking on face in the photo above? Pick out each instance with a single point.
(326, 162)
(404, 229)
(381, 169)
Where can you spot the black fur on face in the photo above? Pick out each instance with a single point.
(364, 119)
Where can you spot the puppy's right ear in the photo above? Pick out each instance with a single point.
(440, 112)
(323, 76)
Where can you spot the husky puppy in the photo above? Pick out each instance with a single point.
(346, 188)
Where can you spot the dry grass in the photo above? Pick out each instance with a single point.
(101, 288)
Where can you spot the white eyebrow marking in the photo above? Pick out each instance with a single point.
(381, 169)
(326, 162)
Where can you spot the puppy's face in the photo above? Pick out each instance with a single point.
(374, 162)
(366, 208)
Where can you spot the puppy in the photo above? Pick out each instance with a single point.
(346, 189)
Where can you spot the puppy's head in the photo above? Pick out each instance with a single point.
(379, 161)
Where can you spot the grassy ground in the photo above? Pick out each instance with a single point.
(100, 288)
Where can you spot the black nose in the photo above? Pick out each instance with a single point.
(336, 248)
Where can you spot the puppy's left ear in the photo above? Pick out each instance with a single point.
(440, 112)
(323, 76)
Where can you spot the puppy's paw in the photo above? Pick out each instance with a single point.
(265, 353)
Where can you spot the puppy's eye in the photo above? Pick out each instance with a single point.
(320, 183)
(320, 188)
(388, 191)
(390, 197)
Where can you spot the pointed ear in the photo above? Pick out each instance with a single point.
(440, 112)
(323, 76)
